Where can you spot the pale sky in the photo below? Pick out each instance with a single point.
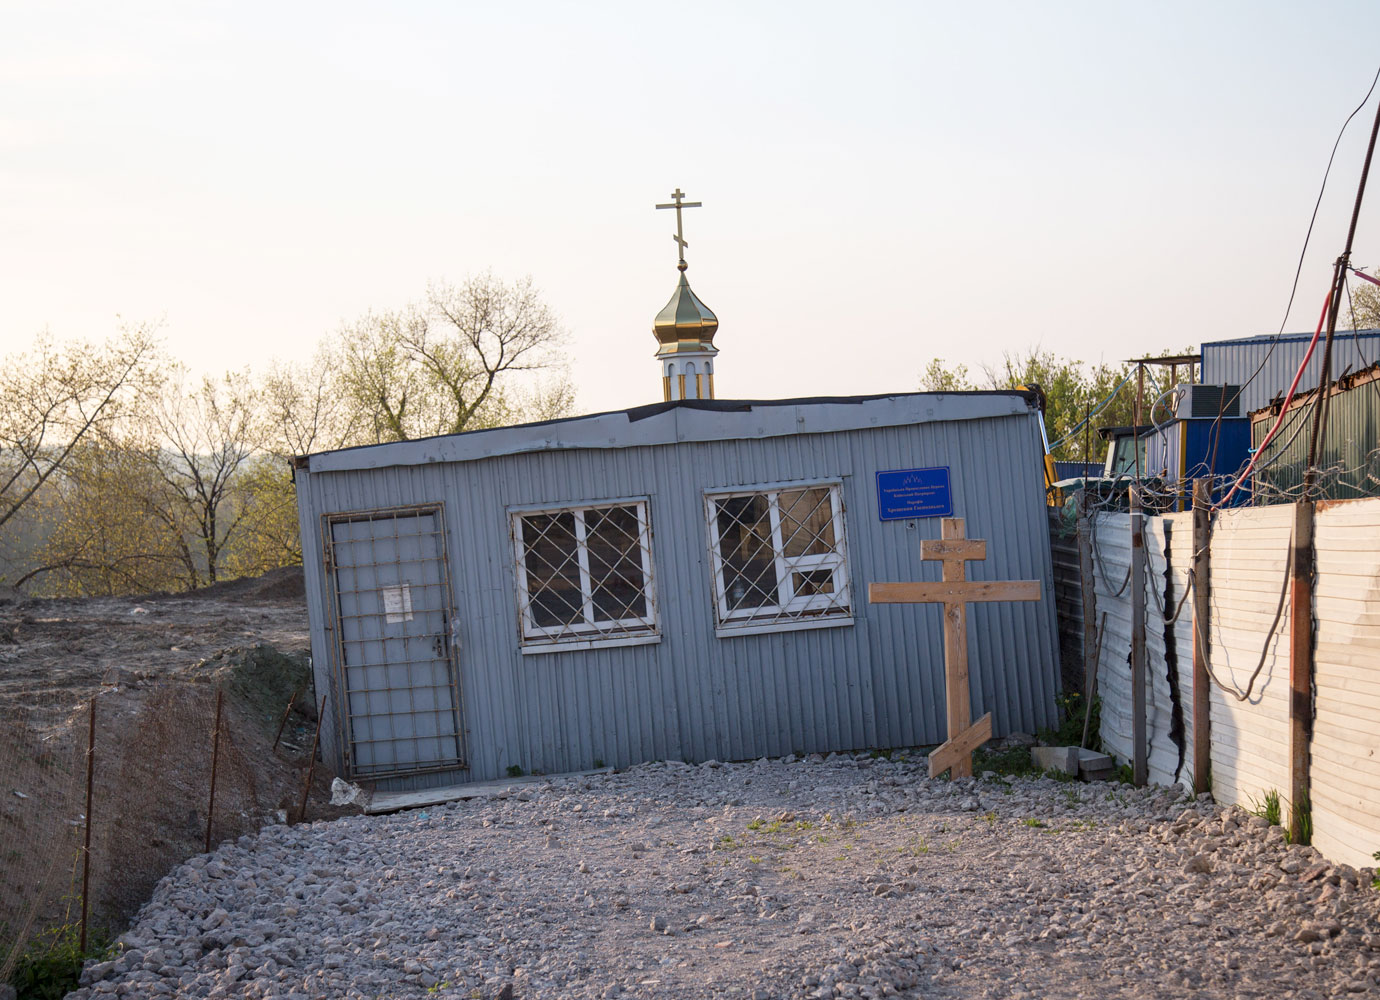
(882, 183)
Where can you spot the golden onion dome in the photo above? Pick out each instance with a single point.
(685, 324)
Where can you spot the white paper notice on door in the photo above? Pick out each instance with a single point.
(397, 604)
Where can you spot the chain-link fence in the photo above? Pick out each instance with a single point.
(96, 807)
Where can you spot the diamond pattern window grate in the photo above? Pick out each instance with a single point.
(584, 573)
(778, 555)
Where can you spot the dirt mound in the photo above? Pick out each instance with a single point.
(283, 584)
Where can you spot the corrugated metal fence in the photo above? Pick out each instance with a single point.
(1068, 598)
(1248, 636)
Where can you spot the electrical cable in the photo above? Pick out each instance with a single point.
(1288, 397)
(1312, 220)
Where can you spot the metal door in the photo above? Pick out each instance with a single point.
(402, 711)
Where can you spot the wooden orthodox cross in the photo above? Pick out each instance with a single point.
(678, 204)
(955, 591)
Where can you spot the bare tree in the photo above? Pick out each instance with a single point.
(56, 396)
(204, 435)
(456, 363)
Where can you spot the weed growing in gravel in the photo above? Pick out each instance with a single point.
(1032, 822)
(1013, 760)
(991, 818)
(1054, 774)
(515, 771)
(754, 859)
(1375, 882)
(804, 824)
(598, 763)
(1270, 808)
(51, 965)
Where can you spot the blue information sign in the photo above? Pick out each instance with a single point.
(906, 493)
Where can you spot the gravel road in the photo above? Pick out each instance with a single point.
(848, 876)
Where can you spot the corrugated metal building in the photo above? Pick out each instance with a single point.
(1235, 362)
(1348, 457)
(685, 580)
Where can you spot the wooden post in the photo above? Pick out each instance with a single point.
(954, 591)
(1202, 703)
(1300, 667)
(957, 699)
(1139, 764)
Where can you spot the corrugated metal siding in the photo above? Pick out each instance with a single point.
(1250, 739)
(1068, 597)
(1233, 362)
(1351, 435)
(694, 696)
(1345, 769)
(1168, 718)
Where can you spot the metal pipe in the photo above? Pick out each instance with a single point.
(1139, 763)
(282, 723)
(1202, 707)
(86, 846)
(215, 760)
(311, 764)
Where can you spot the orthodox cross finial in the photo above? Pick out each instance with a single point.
(678, 204)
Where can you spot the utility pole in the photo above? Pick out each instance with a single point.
(1339, 270)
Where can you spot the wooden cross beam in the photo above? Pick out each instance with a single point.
(954, 590)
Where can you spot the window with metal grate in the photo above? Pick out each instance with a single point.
(584, 573)
(778, 555)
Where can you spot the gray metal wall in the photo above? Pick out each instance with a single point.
(1234, 361)
(877, 683)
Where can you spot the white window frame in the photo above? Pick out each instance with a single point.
(790, 612)
(587, 633)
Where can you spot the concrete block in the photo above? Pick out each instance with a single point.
(1063, 759)
(1094, 766)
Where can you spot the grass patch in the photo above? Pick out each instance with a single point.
(51, 965)
(1012, 760)
(1073, 709)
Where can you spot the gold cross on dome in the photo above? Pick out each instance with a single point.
(678, 204)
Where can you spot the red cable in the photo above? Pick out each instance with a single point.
(1284, 410)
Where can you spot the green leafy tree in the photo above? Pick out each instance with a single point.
(1072, 390)
(1365, 304)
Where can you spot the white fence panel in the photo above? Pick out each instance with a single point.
(1345, 769)
(1250, 737)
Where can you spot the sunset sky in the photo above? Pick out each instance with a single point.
(882, 183)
